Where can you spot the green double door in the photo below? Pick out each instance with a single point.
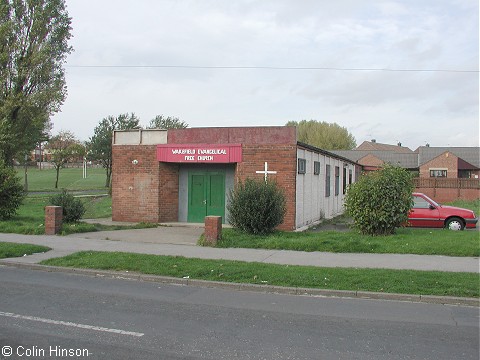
(206, 195)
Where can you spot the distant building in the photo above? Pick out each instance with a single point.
(443, 173)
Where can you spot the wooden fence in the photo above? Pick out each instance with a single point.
(440, 183)
(446, 190)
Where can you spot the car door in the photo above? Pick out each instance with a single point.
(424, 213)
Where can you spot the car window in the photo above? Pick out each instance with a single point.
(420, 203)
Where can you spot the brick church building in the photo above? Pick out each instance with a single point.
(183, 175)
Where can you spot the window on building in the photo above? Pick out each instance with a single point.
(438, 173)
(344, 189)
(302, 166)
(316, 167)
(465, 174)
(337, 180)
(327, 180)
(350, 176)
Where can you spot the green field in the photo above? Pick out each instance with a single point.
(30, 218)
(70, 179)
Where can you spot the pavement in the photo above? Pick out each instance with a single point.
(179, 239)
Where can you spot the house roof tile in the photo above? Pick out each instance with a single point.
(469, 154)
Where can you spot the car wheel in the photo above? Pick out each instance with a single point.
(455, 224)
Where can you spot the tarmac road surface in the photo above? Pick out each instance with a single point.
(100, 318)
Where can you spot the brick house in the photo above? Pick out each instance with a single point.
(183, 175)
(449, 162)
(443, 173)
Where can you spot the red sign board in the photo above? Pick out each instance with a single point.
(199, 153)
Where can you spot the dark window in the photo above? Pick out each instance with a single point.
(350, 176)
(438, 173)
(302, 166)
(465, 174)
(344, 180)
(337, 180)
(327, 180)
(316, 168)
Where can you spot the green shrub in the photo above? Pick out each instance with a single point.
(73, 209)
(380, 201)
(256, 206)
(11, 192)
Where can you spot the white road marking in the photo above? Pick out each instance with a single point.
(67, 323)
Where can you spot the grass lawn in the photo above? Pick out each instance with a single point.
(31, 217)
(406, 241)
(70, 179)
(377, 280)
(472, 205)
(8, 250)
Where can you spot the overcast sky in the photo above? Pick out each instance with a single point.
(335, 37)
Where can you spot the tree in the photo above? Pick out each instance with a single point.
(34, 38)
(380, 201)
(100, 144)
(256, 206)
(327, 136)
(63, 148)
(72, 208)
(11, 191)
(169, 122)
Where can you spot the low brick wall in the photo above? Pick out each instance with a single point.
(213, 229)
(53, 219)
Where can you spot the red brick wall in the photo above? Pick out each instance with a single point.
(444, 161)
(443, 195)
(53, 219)
(168, 194)
(148, 191)
(280, 158)
(135, 187)
(240, 135)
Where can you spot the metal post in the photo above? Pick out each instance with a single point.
(25, 188)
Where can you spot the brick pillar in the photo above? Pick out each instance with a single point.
(213, 229)
(53, 219)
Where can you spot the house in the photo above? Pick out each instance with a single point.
(449, 162)
(183, 175)
(443, 173)
(372, 155)
(373, 145)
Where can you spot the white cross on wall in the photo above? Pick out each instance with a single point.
(266, 172)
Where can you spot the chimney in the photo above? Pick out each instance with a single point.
(399, 143)
(427, 145)
(374, 141)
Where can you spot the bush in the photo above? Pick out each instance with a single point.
(11, 192)
(380, 201)
(73, 209)
(256, 206)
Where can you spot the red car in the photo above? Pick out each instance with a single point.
(427, 213)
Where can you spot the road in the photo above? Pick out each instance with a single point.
(44, 315)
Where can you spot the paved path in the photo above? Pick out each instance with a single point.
(180, 241)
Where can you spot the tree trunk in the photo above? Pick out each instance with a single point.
(109, 177)
(56, 181)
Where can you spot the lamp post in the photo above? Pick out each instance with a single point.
(25, 188)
